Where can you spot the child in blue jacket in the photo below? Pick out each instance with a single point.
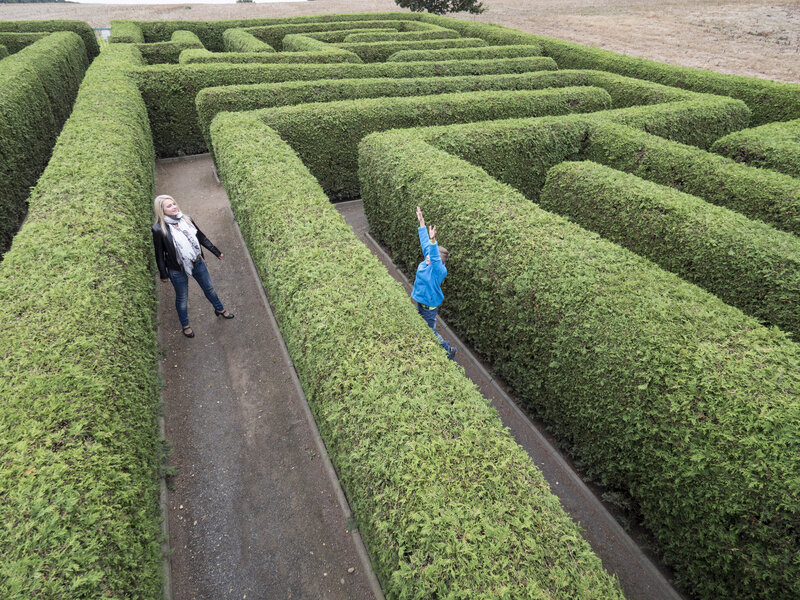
(428, 283)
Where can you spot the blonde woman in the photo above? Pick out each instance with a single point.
(177, 242)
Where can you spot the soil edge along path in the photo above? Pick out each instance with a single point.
(254, 512)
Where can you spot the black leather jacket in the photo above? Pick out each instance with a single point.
(167, 256)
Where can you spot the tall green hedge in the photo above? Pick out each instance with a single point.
(759, 194)
(768, 100)
(449, 506)
(340, 34)
(380, 51)
(78, 353)
(237, 39)
(170, 52)
(465, 53)
(126, 32)
(38, 85)
(746, 263)
(326, 135)
(3, 51)
(274, 33)
(169, 90)
(83, 29)
(333, 56)
(624, 91)
(772, 146)
(14, 42)
(661, 391)
(401, 36)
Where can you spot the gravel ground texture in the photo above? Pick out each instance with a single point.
(761, 39)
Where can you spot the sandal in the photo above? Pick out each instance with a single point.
(187, 331)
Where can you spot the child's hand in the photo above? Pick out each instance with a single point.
(419, 217)
(432, 233)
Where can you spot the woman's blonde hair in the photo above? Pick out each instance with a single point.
(159, 210)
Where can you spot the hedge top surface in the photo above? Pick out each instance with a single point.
(82, 28)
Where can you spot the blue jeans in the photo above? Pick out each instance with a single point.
(180, 281)
(430, 318)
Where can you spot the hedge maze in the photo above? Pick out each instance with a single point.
(624, 254)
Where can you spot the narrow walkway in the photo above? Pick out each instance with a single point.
(255, 512)
(641, 579)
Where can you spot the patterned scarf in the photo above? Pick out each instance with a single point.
(184, 236)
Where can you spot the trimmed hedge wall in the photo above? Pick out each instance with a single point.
(273, 34)
(189, 57)
(519, 153)
(126, 32)
(465, 53)
(695, 122)
(624, 91)
(79, 477)
(401, 36)
(774, 146)
(768, 100)
(38, 86)
(660, 390)
(447, 502)
(746, 263)
(326, 135)
(169, 52)
(14, 42)
(771, 197)
(3, 52)
(239, 40)
(82, 28)
(169, 90)
(341, 34)
(380, 51)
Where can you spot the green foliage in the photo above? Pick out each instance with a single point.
(341, 34)
(326, 135)
(273, 34)
(237, 39)
(440, 7)
(401, 36)
(380, 51)
(78, 353)
(482, 53)
(38, 85)
(14, 42)
(663, 392)
(771, 197)
(768, 100)
(3, 51)
(83, 29)
(169, 52)
(125, 32)
(746, 263)
(448, 504)
(169, 90)
(332, 55)
(772, 146)
(697, 122)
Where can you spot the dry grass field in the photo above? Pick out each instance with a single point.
(745, 38)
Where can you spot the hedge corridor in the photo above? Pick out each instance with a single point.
(624, 255)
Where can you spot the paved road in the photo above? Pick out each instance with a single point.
(254, 513)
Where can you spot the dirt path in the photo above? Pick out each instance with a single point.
(254, 512)
(746, 38)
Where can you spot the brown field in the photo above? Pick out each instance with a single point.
(745, 38)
